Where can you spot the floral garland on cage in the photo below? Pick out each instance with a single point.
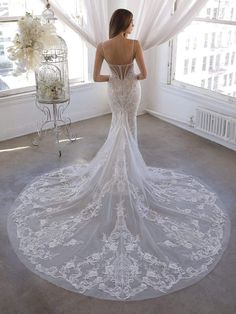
(34, 35)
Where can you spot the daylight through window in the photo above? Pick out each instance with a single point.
(205, 50)
(10, 12)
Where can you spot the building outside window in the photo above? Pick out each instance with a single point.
(193, 65)
(230, 78)
(232, 58)
(186, 62)
(227, 58)
(215, 31)
(204, 63)
(213, 37)
(209, 81)
(225, 79)
(217, 66)
(205, 40)
(211, 63)
(216, 79)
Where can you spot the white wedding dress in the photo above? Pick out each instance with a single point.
(115, 228)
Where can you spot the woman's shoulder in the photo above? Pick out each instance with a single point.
(111, 42)
(105, 42)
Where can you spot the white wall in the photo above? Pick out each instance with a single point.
(176, 104)
(19, 114)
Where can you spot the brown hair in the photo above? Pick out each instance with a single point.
(120, 21)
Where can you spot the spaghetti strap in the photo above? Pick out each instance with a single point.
(103, 51)
(132, 55)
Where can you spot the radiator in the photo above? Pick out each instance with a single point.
(217, 124)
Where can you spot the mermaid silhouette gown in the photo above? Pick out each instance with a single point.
(115, 228)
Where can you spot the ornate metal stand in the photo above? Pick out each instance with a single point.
(54, 121)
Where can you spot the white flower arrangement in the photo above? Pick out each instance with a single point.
(33, 37)
(52, 90)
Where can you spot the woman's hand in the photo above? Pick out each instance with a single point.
(140, 76)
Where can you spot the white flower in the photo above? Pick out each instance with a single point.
(51, 90)
(27, 45)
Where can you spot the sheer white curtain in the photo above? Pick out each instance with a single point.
(155, 23)
(94, 28)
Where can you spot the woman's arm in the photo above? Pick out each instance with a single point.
(97, 77)
(140, 62)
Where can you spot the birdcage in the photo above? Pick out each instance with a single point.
(52, 87)
(52, 83)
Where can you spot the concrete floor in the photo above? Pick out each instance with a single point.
(162, 145)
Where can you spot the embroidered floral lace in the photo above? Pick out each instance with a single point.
(115, 228)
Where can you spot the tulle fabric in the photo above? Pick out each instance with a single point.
(115, 228)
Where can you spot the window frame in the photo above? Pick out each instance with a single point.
(189, 88)
(32, 88)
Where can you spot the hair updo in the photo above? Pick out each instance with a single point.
(120, 21)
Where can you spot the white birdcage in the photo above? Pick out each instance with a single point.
(52, 86)
(52, 82)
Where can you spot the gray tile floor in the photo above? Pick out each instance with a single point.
(162, 145)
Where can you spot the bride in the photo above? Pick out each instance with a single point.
(115, 228)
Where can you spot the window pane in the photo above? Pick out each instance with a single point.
(213, 59)
(77, 51)
(219, 9)
(7, 79)
(19, 7)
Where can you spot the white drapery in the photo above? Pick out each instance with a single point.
(155, 23)
(94, 28)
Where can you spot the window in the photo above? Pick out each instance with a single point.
(232, 58)
(213, 37)
(208, 12)
(215, 12)
(219, 42)
(227, 58)
(222, 13)
(216, 79)
(225, 79)
(205, 40)
(209, 81)
(186, 62)
(193, 65)
(217, 66)
(230, 79)
(232, 14)
(214, 32)
(9, 14)
(204, 63)
(229, 38)
(211, 63)
(187, 44)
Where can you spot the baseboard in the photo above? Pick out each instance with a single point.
(184, 125)
(31, 127)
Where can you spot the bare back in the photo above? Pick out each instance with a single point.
(119, 51)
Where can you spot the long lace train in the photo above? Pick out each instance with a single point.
(114, 228)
